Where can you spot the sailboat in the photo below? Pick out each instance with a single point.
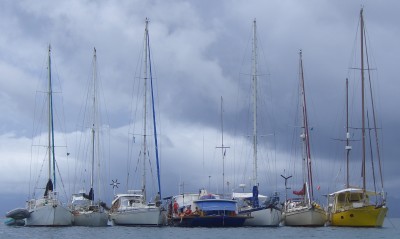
(357, 206)
(132, 208)
(48, 210)
(86, 211)
(304, 211)
(263, 210)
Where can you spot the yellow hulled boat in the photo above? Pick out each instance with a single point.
(352, 206)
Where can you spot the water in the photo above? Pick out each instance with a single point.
(391, 229)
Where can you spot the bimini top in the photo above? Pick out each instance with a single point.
(353, 190)
(130, 194)
(216, 204)
(246, 195)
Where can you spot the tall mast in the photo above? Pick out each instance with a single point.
(306, 137)
(145, 111)
(362, 98)
(348, 147)
(52, 158)
(49, 109)
(223, 147)
(94, 124)
(254, 76)
(154, 117)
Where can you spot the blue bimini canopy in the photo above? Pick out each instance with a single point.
(214, 205)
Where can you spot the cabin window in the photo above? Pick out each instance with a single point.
(341, 198)
(355, 197)
(124, 202)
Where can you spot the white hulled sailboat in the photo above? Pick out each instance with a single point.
(132, 207)
(48, 210)
(304, 211)
(263, 211)
(86, 211)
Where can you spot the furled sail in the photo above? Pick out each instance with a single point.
(49, 187)
(90, 196)
(301, 192)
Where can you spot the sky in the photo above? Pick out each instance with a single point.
(201, 52)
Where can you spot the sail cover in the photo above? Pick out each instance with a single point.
(255, 197)
(301, 192)
(49, 187)
(89, 196)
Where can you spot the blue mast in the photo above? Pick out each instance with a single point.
(154, 116)
(51, 123)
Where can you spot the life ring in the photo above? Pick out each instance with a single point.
(188, 212)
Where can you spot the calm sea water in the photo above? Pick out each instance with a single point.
(391, 229)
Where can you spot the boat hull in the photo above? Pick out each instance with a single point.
(262, 217)
(49, 215)
(368, 216)
(312, 217)
(138, 217)
(209, 221)
(90, 219)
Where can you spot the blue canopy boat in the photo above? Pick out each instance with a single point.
(210, 211)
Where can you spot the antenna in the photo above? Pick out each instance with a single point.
(114, 184)
(286, 188)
